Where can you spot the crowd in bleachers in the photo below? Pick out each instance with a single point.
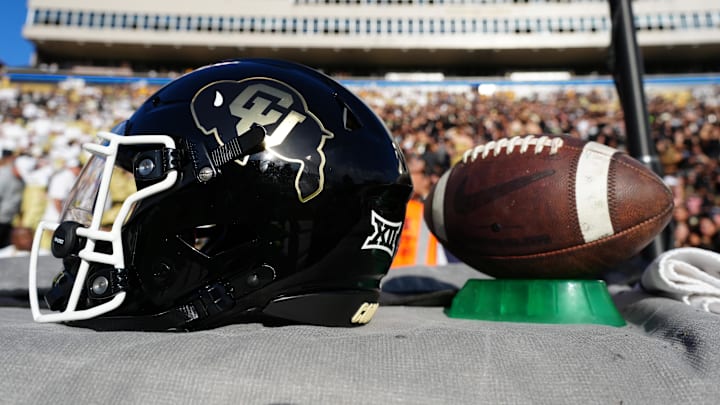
(435, 128)
(42, 127)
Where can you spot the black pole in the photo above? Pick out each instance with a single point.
(626, 65)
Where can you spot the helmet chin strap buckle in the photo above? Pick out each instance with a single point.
(220, 296)
(213, 299)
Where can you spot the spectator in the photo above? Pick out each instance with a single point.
(710, 238)
(35, 194)
(59, 188)
(11, 190)
(681, 234)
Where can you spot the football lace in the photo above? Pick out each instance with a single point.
(509, 144)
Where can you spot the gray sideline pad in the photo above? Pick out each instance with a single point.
(668, 353)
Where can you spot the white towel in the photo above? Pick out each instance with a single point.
(691, 275)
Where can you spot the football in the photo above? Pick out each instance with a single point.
(547, 207)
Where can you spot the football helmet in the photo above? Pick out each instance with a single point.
(264, 190)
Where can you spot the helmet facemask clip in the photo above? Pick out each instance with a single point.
(151, 166)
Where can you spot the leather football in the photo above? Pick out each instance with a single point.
(547, 207)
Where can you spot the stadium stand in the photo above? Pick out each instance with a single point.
(434, 124)
(369, 36)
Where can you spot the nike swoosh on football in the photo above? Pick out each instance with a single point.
(466, 202)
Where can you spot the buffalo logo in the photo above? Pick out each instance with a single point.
(385, 236)
(226, 109)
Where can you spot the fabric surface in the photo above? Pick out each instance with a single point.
(666, 354)
(690, 275)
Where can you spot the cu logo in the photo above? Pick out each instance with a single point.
(226, 109)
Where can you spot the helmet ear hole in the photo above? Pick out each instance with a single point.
(211, 240)
(201, 238)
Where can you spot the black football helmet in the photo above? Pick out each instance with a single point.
(265, 190)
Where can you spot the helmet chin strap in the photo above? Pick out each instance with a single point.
(209, 301)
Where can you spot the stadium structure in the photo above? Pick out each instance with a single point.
(366, 37)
